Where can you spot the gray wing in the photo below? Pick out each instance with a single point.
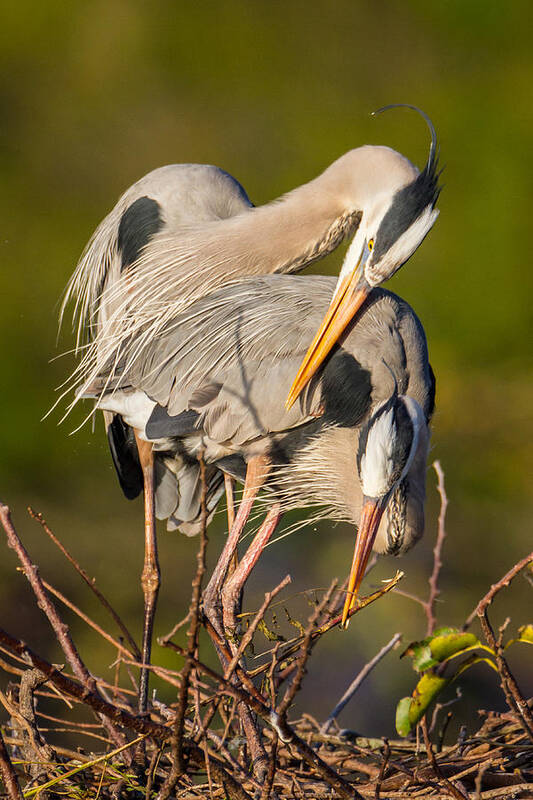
(231, 359)
(165, 201)
(226, 365)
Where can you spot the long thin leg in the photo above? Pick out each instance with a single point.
(229, 484)
(231, 604)
(150, 576)
(256, 474)
(232, 589)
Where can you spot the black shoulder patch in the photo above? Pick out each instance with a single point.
(125, 457)
(161, 424)
(137, 226)
(345, 390)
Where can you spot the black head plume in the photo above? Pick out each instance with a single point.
(410, 202)
(433, 148)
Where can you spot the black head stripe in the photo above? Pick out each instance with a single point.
(407, 205)
(404, 439)
(138, 224)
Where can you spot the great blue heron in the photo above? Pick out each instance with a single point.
(355, 444)
(183, 231)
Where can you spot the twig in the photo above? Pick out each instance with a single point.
(36, 515)
(383, 768)
(305, 650)
(356, 683)
(245, 641)
(515, 700)
(293, 645)
(269, 780)
(82, 693)
(45, 604)
(454, 791)
(178, 766)
(94, 625)
(440, 706)
(434, 590)
(9, 776)
(257, 703)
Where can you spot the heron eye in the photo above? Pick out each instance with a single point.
(370, 244)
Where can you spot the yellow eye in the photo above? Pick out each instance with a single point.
(371, 244)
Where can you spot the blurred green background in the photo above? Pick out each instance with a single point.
(93, 96)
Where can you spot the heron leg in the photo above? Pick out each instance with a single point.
(256, 474)
(229, 484)
(150, 576)
(231, 605)
(233, 587)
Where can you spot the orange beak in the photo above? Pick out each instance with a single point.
(368, 528)
(348, 298)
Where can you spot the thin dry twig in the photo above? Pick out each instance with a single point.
(515, 699)
(36, 515)
(292, 646)
(91, 623)
(453, 790)
(382, 769)
(358, 680)
(9, 776)
(178, 765)
(45, 604)
(434, 590)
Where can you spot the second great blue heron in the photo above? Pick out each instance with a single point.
(211, 383)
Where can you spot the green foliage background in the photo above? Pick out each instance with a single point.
(95, 94)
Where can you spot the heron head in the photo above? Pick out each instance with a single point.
(387, 446)
(397, 212)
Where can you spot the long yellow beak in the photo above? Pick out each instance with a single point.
(347, 300)
(368, 528)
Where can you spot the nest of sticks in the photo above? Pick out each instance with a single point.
(198, 746)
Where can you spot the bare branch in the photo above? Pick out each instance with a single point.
(9, 775)
(356, 683)
(514, 697)
(178, 766)
(434, 590)
(454, 791)
(36, 515)
(45, 604)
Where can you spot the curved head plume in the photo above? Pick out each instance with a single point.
(433, 152)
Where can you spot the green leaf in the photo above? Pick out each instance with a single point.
(410, 710)
(403, 726)
(525, 633)
(426, 690)
(450, 644)
(445, 643)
